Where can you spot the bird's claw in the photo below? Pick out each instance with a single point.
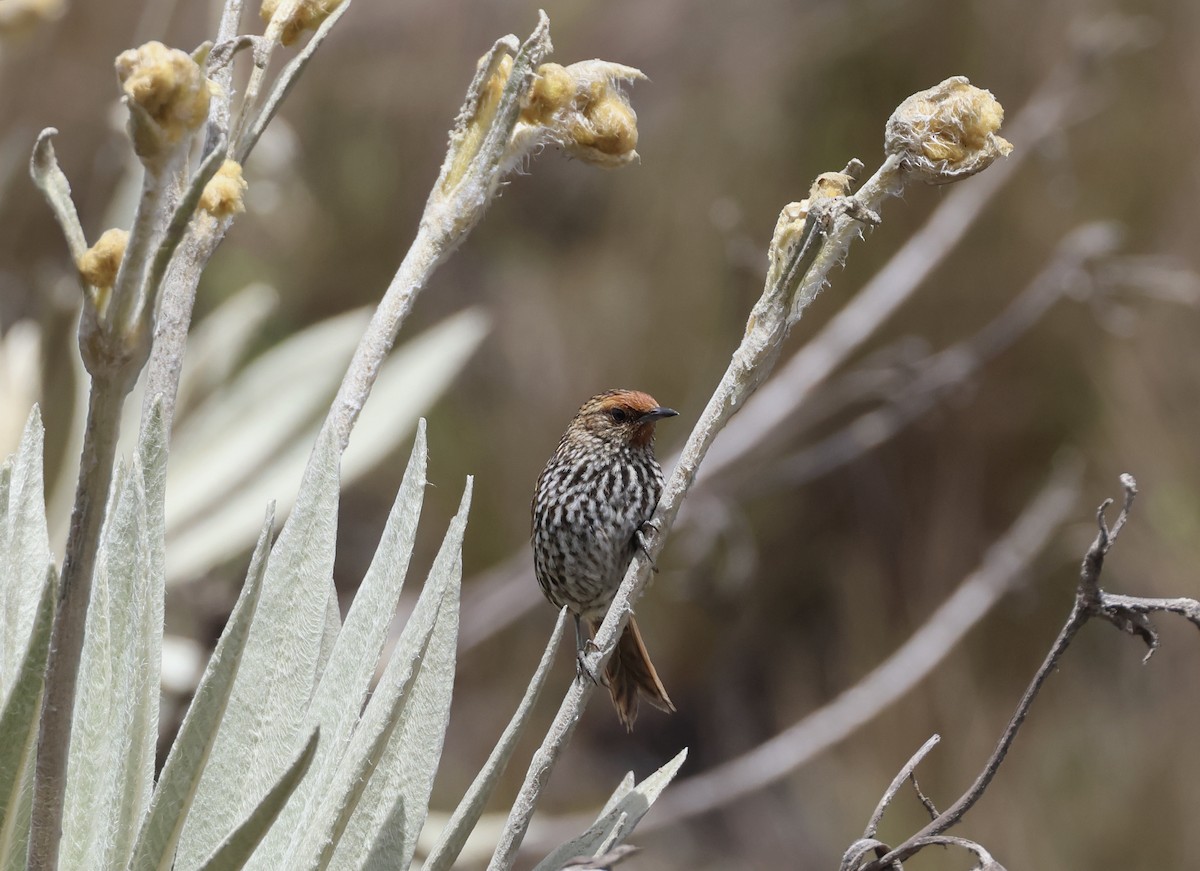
(643, 543)
(583, 668)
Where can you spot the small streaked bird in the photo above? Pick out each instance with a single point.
(593, 502)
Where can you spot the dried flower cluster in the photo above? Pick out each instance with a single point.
(948, 132)
(99, 265)
(580, 107)
(583, 109)
(223, 195)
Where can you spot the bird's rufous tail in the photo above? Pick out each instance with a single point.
(630, 672)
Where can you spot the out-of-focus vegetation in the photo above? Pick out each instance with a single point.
(642, 278)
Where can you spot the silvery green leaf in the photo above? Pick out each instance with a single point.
(347, 678)
(410, 381)
(111, 764)
(49, 177)
(19, 720)
(469, 810)
(266, 716)
(333, 626)
(152, 456)
(26, 548)
(623, 789)
(614, 825)
(218, 342)
(237, 847)
(172, 799)
(376, 804)
(241, 429)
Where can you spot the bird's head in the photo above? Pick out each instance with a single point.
(621, 415)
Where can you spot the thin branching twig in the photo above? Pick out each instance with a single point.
(1128, 613)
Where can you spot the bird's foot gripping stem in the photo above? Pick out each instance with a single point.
(642, 539)
(584, 648)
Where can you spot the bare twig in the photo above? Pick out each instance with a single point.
(906, 773)
(1128, 613)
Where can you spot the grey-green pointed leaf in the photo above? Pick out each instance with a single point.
(152, 456)
(19, 726)
(377, 801)
(268, 709)
(243, 840)
(180, 776)
(469, 810)
(343, 687)
(26, 548)
(410, 380)
(615, 825)
(111, 765)
(242, 429)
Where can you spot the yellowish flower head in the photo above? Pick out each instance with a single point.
(167, 95)
(99, 265)
(947, 132)
(583, 109)
(222, 196)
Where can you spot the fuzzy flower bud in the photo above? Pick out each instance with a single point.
(582, 108)
(296, 17)
(167, 95)
(99, 265)
(222, 197)
(947, 132)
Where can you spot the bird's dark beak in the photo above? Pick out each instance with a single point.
(657, 414)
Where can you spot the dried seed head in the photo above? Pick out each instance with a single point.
(99, 265)
(222, 197)
(296, 17)
(830, 184)
(947, 132)
(552, 92)
(167, 95)
(582, 108)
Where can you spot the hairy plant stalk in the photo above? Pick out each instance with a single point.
(66, 643)
(478, 158)
(172, 323)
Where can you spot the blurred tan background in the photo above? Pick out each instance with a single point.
(642, 278)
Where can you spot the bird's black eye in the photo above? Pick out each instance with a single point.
(618, 415)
